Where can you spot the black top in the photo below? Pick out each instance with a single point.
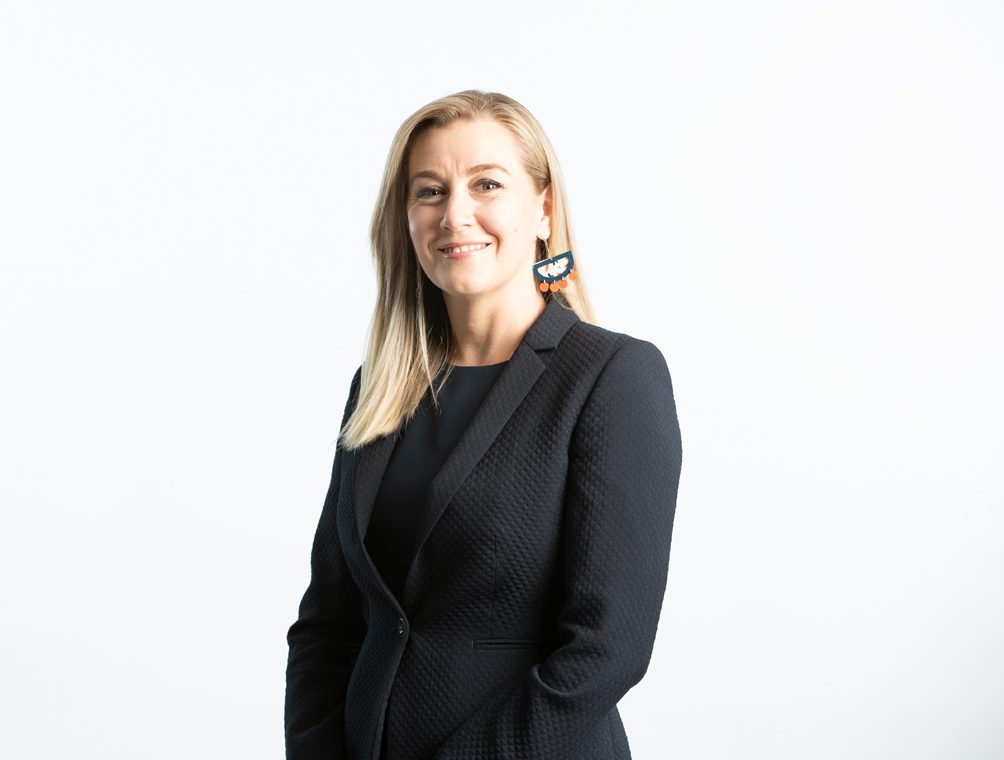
(563, 490)
(418, 455)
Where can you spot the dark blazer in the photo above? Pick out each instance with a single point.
(541, 563)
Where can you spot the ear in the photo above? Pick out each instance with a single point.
(544, 210)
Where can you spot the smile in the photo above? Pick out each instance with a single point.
(463, 250)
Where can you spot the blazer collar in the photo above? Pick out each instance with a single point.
(504, 396)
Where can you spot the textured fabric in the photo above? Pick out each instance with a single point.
(422, 447)
(533, 599)
(420, 451)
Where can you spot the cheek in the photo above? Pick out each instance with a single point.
(421, 226)
(504, 216)
(414, 221)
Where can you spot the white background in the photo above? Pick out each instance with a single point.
(800, 203)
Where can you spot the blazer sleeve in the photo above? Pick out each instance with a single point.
(325, 639)
(624, 469)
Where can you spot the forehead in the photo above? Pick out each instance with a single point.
(456, 147)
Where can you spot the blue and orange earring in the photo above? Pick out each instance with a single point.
(554, 272)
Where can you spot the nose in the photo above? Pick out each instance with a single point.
(459, 210)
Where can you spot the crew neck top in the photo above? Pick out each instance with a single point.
(419, 453)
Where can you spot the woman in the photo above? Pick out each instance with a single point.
(490, 562)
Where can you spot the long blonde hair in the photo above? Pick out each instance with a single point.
(409, 333)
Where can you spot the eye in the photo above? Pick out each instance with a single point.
(433, 192)
(427, 192)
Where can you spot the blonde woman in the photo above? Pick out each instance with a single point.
(490, 562)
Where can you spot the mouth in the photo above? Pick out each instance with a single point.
(461, 251)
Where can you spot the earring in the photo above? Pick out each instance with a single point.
(554, 272)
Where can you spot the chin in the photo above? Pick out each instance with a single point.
(468, 286)
(464, 292)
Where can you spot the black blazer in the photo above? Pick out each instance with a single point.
(532, 603)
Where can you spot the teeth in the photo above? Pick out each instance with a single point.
(465, 248)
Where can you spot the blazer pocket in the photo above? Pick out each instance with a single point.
(507, 643)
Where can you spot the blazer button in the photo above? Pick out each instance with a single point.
(400, 626)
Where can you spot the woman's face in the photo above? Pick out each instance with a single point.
(467, 185)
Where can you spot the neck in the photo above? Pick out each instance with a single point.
(487, 329)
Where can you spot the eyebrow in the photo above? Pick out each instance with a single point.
(472, 170)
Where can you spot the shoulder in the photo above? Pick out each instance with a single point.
(606, 350)
(353, 395)
(629, 403)
(613, 379)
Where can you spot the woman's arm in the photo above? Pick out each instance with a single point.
(325, 639)
(624, 469)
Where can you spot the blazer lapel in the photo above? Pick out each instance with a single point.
(503, 398)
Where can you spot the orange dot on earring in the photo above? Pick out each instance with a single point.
(563, 283)
(573, 275)
(555, 287)
(543, 287)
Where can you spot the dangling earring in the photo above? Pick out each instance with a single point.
(554, 272)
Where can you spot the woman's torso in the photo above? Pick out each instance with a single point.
(421, 449)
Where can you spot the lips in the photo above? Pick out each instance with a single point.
(463, 249)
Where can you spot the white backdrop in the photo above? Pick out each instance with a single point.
(800, 203)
